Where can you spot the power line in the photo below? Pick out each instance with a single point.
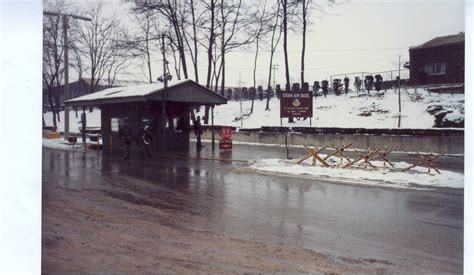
(320, 50)
(328, 50)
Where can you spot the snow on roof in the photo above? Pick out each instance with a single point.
(442, 41)
(130, 91)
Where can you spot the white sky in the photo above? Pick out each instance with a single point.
(358, 36)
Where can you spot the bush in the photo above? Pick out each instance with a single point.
(449, 119)
(433, 109)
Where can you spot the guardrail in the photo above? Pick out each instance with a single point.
(450, 132)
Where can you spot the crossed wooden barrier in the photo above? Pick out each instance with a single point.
(314, 153)
(426, 160)
(364, 159)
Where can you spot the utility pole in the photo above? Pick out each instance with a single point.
(399, 94)
(66, 80)
(66, 63)
(165, 83)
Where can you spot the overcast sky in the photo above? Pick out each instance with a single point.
(366, 29)
(358, 36)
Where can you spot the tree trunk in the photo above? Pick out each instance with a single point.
(304, 41)
(209, 58)
(58, 105)
(196, 72)
(223, 45)
(53, 109)
(148, 61)
(255, 61)
(267, 108)
(223, 74)
(285, 44)
(285, 49)
(209, 49)
(251, 108)
(182, 56)
(272, 51)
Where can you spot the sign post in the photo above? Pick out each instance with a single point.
(296, 104)
(226, 138)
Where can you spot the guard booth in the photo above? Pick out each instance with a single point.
(166, 111)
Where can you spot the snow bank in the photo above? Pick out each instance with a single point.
(455, 116)
(61, 144)
(384, 177)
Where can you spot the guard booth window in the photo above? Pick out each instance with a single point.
(176, 124)
(116, 123)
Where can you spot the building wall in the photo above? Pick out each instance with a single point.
(136, 112)
(453, 55)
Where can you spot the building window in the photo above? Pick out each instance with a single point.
(440, 68)
(435, 68)
(114, 125)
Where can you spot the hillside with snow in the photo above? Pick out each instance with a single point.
(354, 110)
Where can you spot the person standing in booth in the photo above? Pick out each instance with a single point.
(198, 132)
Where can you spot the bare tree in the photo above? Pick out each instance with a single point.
(304, 19)
(191, 5)
(53, 49)
(261, 30)
(228, 29)
(211, 8)
(96, 43)
(209, 27)
(274, 43)
(232, 24)
(284, 4)
(145, 39)
(176, 60)
(174, 12)
(261, 27)
(121, 55)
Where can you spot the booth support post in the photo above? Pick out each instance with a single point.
(83, 120)
(212, 127)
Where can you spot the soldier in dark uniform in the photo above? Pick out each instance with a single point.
(144, 139)
(198, 132)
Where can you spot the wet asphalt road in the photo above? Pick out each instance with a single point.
(411, 230)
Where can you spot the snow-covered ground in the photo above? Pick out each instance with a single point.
(93, 120)
(61, 144)
(415, 178)
(333, 111)
(343, 111)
